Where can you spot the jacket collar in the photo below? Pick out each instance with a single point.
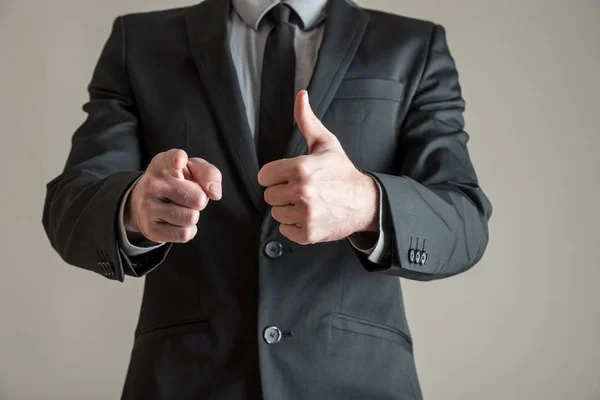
(207, 32)
(311, 12)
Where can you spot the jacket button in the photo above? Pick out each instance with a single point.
(273, 249)
(272, 335)
(417, 257)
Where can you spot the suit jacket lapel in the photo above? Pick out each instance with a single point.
(344, 29)
(207, 31)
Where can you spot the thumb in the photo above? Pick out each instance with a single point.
(317, 137)
(175, 162)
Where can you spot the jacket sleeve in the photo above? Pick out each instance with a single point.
(434, 207)
(82, 204)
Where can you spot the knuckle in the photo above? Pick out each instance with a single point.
(268, 195)
(181, 235)
(154, 233)
(305, 192)
(173, 236)
(175, 213)
(301, 168)
(198, 200)
(195, 217)
(190, 197)
(191, 217)
(186, 234)
(183, 216)
(282, 231)
(164, 175)
(183, 192)
(274, 213)
(166, 235)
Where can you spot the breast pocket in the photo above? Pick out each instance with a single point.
(373, 89)
(364, 115)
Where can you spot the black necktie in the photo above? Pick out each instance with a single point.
(276, 119)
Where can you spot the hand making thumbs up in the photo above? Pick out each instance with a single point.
(320, 197)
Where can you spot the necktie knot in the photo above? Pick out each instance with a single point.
(281, 13)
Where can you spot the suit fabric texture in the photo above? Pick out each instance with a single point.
(240, 312)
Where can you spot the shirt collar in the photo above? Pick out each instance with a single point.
(311, 12)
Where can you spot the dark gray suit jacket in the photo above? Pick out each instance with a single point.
(388, 88)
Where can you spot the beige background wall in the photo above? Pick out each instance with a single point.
(524, 324)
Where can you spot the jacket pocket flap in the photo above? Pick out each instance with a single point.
(370, 88)
(194, 325)
(357, 325)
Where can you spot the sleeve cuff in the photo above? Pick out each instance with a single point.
(378, 252)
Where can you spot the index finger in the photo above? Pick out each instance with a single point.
(208, 176)
(174, 163)
(282, 171)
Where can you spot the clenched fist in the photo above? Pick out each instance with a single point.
(165, 204)
(320, 197)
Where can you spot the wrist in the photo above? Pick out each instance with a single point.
(369, 204)
(129, 221)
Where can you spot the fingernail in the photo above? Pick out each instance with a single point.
(215, 189)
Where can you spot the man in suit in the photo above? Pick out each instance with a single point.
(271, 228)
